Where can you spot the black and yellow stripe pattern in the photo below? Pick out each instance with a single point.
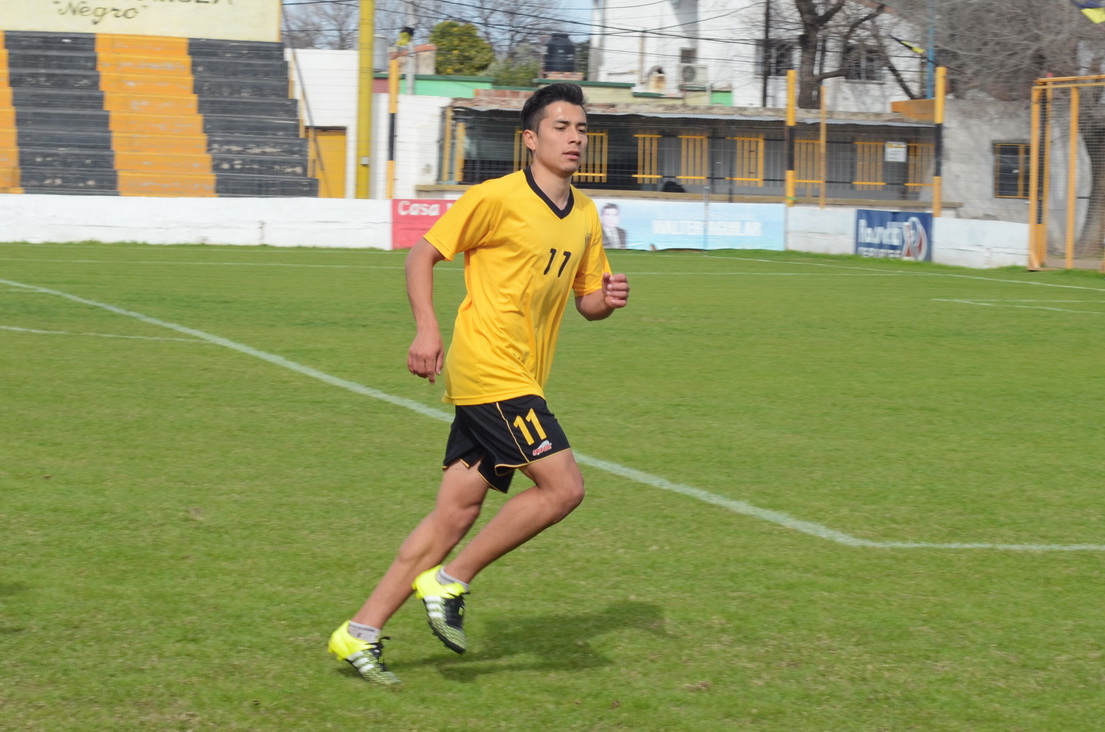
(133, 115)
(9, 145)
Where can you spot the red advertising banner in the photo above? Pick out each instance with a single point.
(411, 218)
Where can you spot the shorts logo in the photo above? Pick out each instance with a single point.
(542, 448)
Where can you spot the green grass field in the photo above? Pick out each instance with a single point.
(823, 494)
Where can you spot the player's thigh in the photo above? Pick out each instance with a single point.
(462, 489)
(558, 473)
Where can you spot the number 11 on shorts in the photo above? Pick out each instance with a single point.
(532, 419)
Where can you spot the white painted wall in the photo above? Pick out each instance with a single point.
(970, 130)
(724, 34)
(344, 223)
(281, 222)
(325, 82)
(957, 242)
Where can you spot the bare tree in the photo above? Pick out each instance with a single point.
(825, 31)
(511, 25)
(1000, 54)
(336, 23)
(313, 24)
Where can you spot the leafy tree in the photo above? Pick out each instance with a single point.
(511, 25)
(583, 57)
(520, 70)
(460, 49)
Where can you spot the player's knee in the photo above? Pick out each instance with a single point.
(460, 518)
(570, 495)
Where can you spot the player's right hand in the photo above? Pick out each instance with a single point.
(426, 355)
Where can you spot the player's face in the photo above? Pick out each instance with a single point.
(561, 138)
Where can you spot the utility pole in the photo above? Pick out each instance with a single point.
(766, 51)
(930, 77)
(365, 77)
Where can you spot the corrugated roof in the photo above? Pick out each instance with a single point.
(736, 114)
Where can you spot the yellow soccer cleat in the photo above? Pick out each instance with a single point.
(444, 608)
(367, 658)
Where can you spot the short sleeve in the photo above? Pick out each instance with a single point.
(466, 224)
(594, 263)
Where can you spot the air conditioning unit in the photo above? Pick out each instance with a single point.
(693, 75)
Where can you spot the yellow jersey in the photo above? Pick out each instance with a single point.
(522, 258)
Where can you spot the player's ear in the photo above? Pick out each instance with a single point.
(529, 137)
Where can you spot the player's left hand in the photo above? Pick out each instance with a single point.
(615, 290)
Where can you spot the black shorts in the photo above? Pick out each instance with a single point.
(502, 436)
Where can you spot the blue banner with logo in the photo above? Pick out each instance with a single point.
(894, 234)
(651, 225)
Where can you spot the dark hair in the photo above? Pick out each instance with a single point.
(610, 206)
(534, 109)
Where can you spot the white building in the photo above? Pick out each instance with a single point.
(672, 46)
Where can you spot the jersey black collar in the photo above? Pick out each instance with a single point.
(560, 212)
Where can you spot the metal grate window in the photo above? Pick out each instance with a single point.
(869, 165)
(648, 157)
(807, 166)
(748, 162)
(920, 156)
(694, 158)
(1011, 170)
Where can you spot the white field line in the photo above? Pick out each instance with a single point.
(1015, 304)
(742, 507)
(98, 335)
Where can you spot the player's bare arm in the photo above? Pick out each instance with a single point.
(601, 303)
(427, 352)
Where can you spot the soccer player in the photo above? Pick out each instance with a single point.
(530, 240)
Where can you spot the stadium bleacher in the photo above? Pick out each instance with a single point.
(130, 115)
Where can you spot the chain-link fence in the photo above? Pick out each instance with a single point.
(735, 153)
(1066, 173)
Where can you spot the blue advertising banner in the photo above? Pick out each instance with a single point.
(894, 234)
(655, 225)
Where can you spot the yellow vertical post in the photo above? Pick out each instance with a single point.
(367, 32)
(792, 121)
(1035, 253)
(1045, 160)
(938, 151)
(1072, 170)
(446, 160)
(393, 107)
(458, 152)
(824, 172)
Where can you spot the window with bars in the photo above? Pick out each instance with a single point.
(862, 63)
(779, 57)
(1011, 169)
(748, 160)
(648, 157)
(920, 156)
(807, 167)
(694, 159)
(868, 174)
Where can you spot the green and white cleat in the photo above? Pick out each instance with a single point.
(444, 608)
(367, 658)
